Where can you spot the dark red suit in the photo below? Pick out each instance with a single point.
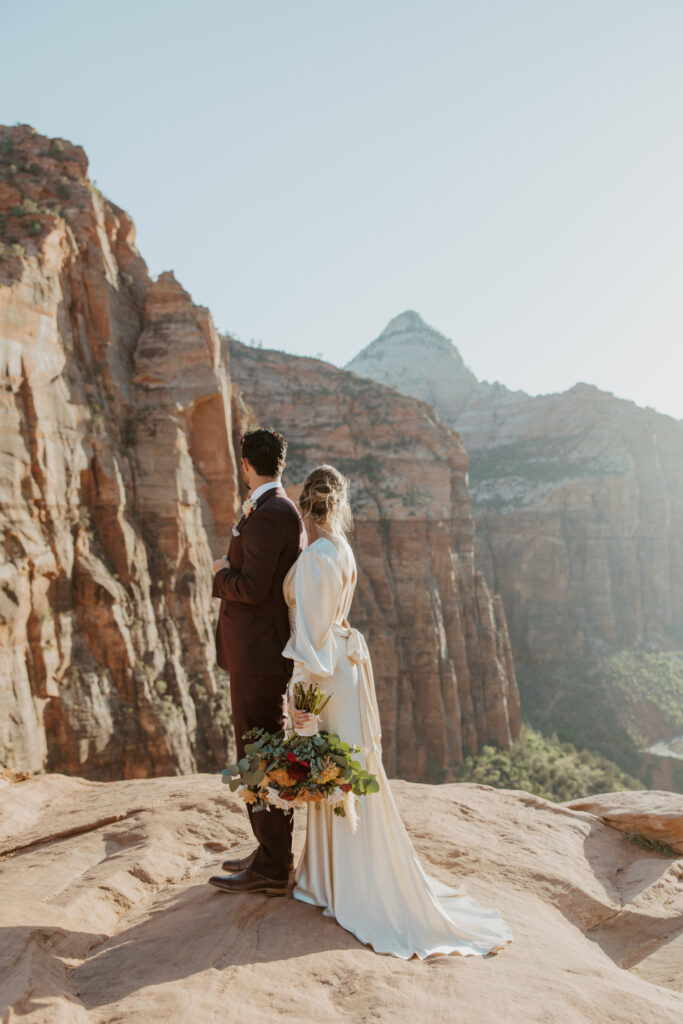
(252, 629)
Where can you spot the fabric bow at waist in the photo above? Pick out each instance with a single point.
(356, 646)
(357, 651)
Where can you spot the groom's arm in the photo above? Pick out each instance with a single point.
(262, 544)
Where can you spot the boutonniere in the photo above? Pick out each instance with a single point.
(248, 507)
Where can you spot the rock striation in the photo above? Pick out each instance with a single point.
(107, 915)
(578, 499)
(443, 666)
(117, 481)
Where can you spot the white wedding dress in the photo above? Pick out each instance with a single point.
(371, 881)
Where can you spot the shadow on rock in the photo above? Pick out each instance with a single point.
(201, 928)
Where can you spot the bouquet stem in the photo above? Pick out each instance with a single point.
(311, 698)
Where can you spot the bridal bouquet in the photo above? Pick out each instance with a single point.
(289, 770)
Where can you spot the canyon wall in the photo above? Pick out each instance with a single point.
(118, 482)
(118, 486)
(443, 667)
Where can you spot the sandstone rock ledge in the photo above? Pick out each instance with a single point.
(106, 914)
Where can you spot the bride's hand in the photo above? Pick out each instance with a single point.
(300, 719)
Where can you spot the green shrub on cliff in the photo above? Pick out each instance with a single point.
(616, 703)
(544, 766)
(648, 677)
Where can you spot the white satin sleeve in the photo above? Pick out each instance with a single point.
(318, 585)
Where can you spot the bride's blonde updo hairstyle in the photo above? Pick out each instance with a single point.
(325, 498)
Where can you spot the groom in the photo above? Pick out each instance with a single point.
(253, 628)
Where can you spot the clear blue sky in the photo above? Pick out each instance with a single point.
(512, 170)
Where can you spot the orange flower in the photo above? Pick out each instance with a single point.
(282, 778)
(311, 798)
(329, 772)
(247, 796)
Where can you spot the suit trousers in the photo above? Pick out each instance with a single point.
(257, 702)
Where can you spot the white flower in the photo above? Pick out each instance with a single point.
(351, 810)
(248, 506)
(276, 800)
(349, 800)
(336, 796)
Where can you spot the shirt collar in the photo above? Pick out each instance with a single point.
(255, 495)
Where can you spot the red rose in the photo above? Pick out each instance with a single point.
(345, 786)
(297, 769)
(295, 760)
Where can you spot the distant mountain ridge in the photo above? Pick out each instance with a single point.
(578, 499)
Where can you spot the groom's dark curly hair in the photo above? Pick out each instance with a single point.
(265, 449)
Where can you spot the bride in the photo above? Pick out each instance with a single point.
(370, 880)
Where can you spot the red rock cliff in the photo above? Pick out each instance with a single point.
(119, 487)
(443, 668)
(118, 482)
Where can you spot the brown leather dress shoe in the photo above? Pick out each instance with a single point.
(250, 881)
(239, 863)
(242, 863)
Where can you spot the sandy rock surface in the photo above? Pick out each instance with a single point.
(106, 914)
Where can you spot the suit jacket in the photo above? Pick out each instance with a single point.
(253, 623)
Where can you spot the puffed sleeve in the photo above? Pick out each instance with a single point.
(318, 586)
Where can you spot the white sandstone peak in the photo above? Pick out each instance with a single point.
(411, 328)
(407, 321)
(417, 360)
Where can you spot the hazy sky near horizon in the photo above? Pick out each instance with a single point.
(511, 170)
